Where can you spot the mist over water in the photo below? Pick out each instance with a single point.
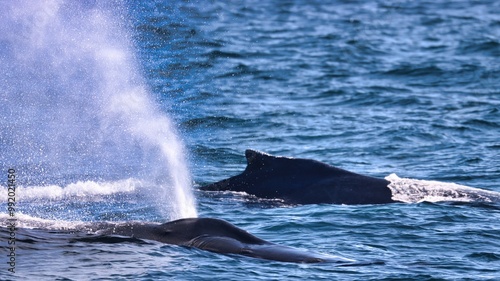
(76, 108)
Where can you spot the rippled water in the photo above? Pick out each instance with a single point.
(379, 87)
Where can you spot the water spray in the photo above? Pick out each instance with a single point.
(78, 108)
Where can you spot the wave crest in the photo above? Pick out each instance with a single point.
(80, 189)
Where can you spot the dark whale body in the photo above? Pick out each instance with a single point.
(303, 181)
(218, 236)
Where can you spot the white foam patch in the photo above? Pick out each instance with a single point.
(80, 189)
(26, 221)
(415, 191)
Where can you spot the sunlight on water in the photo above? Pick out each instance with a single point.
(78, 108)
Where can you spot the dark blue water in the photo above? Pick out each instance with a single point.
(376, 87)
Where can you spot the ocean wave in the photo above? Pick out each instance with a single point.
(80, 189)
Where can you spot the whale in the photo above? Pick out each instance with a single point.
(303, 181)
(219, 236)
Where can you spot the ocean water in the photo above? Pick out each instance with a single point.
(118, 112)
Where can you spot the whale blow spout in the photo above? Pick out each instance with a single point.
(74, 85)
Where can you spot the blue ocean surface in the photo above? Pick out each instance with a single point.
(120, 111)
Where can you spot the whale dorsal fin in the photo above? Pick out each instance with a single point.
(256, 159)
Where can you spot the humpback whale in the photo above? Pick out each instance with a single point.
(303, 181)
(218, 236)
